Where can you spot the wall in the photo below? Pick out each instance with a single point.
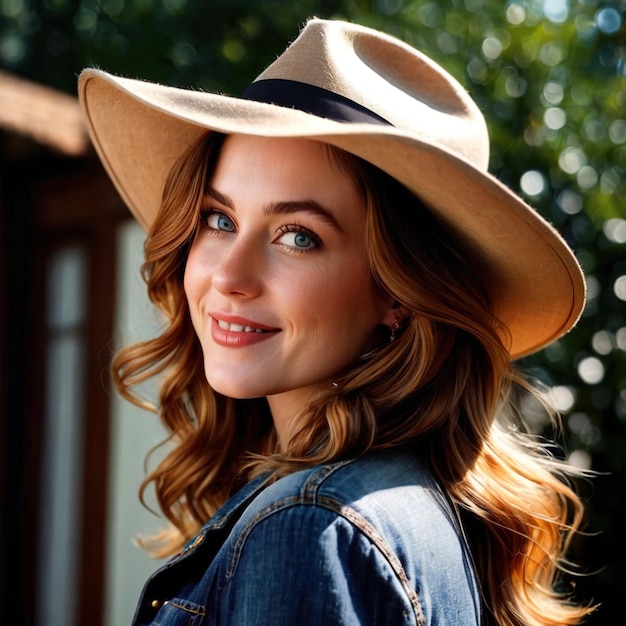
(133, 433)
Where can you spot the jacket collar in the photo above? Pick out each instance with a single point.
(228, 512)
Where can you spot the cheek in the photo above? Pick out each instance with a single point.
(194, 275)
(188, 284)
(340, 303)
(194, 280)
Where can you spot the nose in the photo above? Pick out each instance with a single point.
(239, 271)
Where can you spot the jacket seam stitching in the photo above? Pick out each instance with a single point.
(354, 518)
(370, 531)
(198, 610)
(315, 480)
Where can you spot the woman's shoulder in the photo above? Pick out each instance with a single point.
(380, 517)
(351, 480)
(382, 490)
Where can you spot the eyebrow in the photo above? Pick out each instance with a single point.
(285, 208)
(220, 197)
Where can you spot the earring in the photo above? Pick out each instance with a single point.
(394, 328)
(392, 336)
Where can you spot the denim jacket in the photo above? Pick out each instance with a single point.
(367, 541)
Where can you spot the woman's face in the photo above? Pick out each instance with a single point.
(277, 280)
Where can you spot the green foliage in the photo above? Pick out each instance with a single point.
(550, 78)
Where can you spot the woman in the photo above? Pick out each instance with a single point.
(345, 287)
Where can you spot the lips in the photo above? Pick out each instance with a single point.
(234, 331)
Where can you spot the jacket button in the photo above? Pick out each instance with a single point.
(156, 604)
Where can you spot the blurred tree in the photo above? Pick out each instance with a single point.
(550, 76)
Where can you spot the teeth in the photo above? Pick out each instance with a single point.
(237, 328)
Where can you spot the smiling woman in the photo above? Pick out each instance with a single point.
(346, 288)
(278, 269)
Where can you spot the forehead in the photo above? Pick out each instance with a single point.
(307, 168)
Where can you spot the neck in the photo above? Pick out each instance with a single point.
(285, 408)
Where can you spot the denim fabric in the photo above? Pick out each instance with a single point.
(368, 541)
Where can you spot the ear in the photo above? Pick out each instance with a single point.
(391, 318)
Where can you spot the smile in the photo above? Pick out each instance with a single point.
(238, 332)
(238, 328)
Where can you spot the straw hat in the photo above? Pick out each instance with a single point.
(376, 97)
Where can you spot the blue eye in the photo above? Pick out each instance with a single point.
(294, 236)
(220, 221)
(303, 241)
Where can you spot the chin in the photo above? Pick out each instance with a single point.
(235, 391)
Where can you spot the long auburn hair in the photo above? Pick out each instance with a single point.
(445, 385)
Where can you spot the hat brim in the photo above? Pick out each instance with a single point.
(140, 129)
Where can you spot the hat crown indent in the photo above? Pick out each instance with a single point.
(391, 79)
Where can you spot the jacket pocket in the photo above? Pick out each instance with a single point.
(179, 612)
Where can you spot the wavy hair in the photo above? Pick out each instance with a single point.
(446, 385)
